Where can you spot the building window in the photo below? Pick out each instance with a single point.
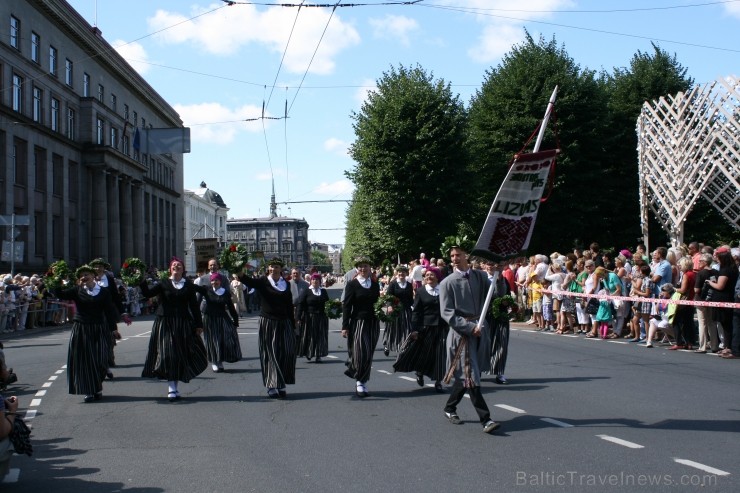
(40, 234)
(52, 60)
(15, 33)
(54, 114)
(100, 132)
(114, 137)
(113, 102)
(86, 85)
(17, 93)
(38, 98)
(143, 122)
(57, 237)
(20, 162)
(125, 147)
(73, 182)
(125, 112)
(101, 93)
(57, 165)
(68, 72)
(39, 164)
(136, 120)
(35, 47)
(71, 121)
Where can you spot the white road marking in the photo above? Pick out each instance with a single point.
(12, 476)
(30, 414)
(64, 366)
(619, 441)
(556, 422)
(53, 377)
(35, 403)
(383, 371)
(511, 408)
(570, 335)
(143, 334)
(124, 339)
(59, 372)
(46, 384)
(710, 470)
(40, 393)
(619, 342)
(331, 356)
(409, 379)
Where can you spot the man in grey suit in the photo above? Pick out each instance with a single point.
(461, 298)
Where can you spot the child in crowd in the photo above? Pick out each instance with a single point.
(547, 311)
(535, 288)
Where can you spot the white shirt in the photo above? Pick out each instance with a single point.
(365, 283)
(219, 291)
(178, 284)
(280, 285)
(94, 291)
(434, 291)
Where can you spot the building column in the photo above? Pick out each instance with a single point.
(114, 221)
(99, 229)
(137, 219)
(127, 227)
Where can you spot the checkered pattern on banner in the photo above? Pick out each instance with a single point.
(510, 235)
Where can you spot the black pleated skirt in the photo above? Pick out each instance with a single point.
(397, 330)
(315, 337)
(277, 347)
(221, 340)
(87, 358)
(426, 355)
(499, 346)
(362, 338)
(176, 352)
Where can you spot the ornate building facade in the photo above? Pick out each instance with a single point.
(205, 217)
(71, 110)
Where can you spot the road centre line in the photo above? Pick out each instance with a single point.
(408, 378)
(40, 393)
(331, 356)
(619, 342)
(46, 384)
(702, 467)
(619, 441)
(511, 408)
(383, 371)
(35, 403)
(53, 377)
(59, 372)
(30, 414)
(557, 423)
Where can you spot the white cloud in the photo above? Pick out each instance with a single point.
(336, 188)
(366, 86)
(395, 27)
(337, 146)
(733, 9)
(227, 30)
(217, 124)
(507, 27)
(134, 53)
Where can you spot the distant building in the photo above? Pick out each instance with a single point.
(274, 236)
(70, 160)
(205, 217)
(335, 256)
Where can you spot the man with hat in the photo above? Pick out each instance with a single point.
(461, 298)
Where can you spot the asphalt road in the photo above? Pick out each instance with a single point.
(578, 415)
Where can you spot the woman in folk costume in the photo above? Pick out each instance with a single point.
(89, 348)
(425, 350)
(398, 329)
(276, 336)
(498, 327)
(176, 351)
(315, 324)
(360, 325)
(220, 321)
(105, 281)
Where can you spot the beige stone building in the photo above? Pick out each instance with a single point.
(72, 117)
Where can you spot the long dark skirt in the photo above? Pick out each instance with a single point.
(277, 346)
(87, 358)
(362, 337)
(315, 337)
(221, 339)
(111, 342)
(397, 330)
(176, 351)
(499, 346)
(426, 355)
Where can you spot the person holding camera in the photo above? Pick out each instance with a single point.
(708, 333)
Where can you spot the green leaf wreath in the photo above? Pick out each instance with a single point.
(333, 309)
(163, 275)
(133, 271)
(385, 302)
(500, 306)
(233, 258)
(460, 241)
(56, 274)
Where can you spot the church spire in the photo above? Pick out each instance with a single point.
(273, 204)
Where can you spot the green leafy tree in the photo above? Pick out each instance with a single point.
(409, 154)
(505, 111)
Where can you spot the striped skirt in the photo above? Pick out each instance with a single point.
(221, 339)
(277, 346)
(397, 330)
(362, 337)
(426, 355)
(176, 352)
(499, 346)
(87, 358)
(315, 337)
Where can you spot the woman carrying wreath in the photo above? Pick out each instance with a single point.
(425, 349)
(220, 321)
(311, 316)
(89, 348)
(398, 328)
(276, 336)
(360, 325)
(176, 351)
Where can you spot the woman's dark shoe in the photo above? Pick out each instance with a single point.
(109, 375)
(438, 387)
(386, 351)
(89, 398)
(273, 393)
(172, 396)
(420, 379)
(282, 394)
(98, 396)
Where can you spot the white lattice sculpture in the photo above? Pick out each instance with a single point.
(689, 146)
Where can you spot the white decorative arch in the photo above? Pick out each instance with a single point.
(689, 146)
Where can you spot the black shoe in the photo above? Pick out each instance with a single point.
(273, 393)
(109, 375)
(98, 396)
(420, 379)
(386, 351)
(220, 369)
(491, 426)
(282, 394)
(318, 359)
(501, 380)
(453, 418)
(438, 387)
(89, 398)
(173, 396)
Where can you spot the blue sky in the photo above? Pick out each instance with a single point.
(217, 64)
